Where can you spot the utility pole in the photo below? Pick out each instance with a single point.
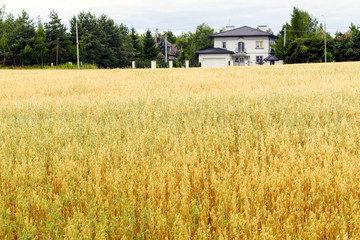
(325, 53)
(166, 50)
(284, 37)
(77, 45)
(57, 52)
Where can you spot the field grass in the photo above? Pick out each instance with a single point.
(268, 152)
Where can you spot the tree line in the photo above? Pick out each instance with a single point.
(102, 42)
(305, 41)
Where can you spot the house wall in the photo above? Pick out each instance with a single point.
(250, 46)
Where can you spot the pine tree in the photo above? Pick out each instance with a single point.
(40, 43)
(4, 40)
(136, 44)
(150, 50)
(55, 30)
(22, 39)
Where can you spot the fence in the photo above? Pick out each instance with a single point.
(161, 64)
(144, 64)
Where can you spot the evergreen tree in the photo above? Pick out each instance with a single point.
(90, 44)
(150, 50)
(56, 31)
(40, 43)
(353, 44)
(109, 36)
(22, 39)
(4, 40)
(136, 44)
(126, 53)
(101, 41)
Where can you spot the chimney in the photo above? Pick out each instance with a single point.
(227, 28)
(262, 28)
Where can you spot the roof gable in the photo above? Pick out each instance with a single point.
(244, 31)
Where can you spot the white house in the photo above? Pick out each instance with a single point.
(243, 46)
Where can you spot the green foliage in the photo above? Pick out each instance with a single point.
(170, 36)
(101, 41)
(41, 46)
(136, 44)
(190, 43)
(4, 39)
(108, 45)
(22, 39)
(56, 31)
(67, 65)
(347, 45)
(304, 39)
(302, 23)
(162, 46)
(150, 50)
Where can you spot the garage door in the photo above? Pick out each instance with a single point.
(214, 62)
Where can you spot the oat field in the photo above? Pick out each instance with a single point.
(268, 152)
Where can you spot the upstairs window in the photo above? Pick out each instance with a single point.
(223, 44)
(241, 47)
(259, 44)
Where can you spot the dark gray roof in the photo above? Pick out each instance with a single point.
(243, 32)
(271, 58)
(215, 51)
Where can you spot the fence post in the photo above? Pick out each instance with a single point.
(133, 64)
(153, 64)
(187, 64)
(170, 64)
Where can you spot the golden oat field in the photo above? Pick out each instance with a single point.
(270, 152)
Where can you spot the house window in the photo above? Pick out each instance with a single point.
(223, 44)
(241, 47)
(259, 44)
(259, 59)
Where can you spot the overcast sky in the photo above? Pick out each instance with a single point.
(184, 15)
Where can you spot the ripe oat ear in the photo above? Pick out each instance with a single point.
(236, 153)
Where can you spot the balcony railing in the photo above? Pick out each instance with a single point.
(242, 50)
